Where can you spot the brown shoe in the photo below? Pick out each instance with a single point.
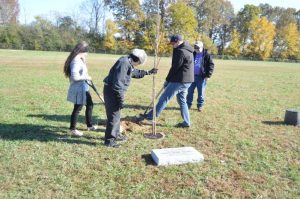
(199, 109)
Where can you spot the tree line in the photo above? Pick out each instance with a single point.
(256, 32)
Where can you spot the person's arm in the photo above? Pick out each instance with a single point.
(77, 71)
(136, 73)
(210, 66)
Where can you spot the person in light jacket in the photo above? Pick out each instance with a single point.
(76, 70)
(115, 87)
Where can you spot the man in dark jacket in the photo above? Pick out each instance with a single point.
(179, 79)
(115, 86)
(204, 67)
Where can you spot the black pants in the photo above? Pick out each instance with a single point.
(113, 113)
(88, 112)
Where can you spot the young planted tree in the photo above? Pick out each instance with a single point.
(261, 38)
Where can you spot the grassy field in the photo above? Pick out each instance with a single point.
(249, 152)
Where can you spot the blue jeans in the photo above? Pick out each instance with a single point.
(200, 83)
(178, 89)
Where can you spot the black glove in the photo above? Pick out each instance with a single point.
(152, 71)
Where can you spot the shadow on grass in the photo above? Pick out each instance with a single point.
(273, 123)
(148, 159)
(101, 122)
(60, 118)
(139, 107)
(29, 132)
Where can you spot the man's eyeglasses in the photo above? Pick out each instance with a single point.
(196, 48)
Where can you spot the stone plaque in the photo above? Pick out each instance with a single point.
(170, 156)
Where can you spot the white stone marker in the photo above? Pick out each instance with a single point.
(182, 155)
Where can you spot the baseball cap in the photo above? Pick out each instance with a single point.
(175, 38)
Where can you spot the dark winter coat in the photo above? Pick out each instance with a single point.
(182, 69)
(208, 65)
(119, 77)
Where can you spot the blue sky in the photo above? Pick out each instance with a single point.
(31, 8)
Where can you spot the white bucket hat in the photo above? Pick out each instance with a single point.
(199, 44)
(141, 54)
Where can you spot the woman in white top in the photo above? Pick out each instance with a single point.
(76, 70)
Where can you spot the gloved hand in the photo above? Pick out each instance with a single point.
(152, 71)
(165, 84)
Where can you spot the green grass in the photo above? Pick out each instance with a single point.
(249, 152)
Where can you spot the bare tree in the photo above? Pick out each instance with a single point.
(94, 11)
(9, 11)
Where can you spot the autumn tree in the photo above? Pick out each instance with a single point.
(290, 43)
(214, 19)
(128, 15)
(182, 21)
(111, 30)
(208, 43)
(261, 38)
(9, 11)
(243, 19)
(234, 48)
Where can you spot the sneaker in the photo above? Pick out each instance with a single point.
(77, 133)
(92, 128)
(199, 109)
(121, 138)
(182, 125)
(111, 143)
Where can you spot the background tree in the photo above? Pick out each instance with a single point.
(70, 32)
(9, 11)
(290, 44)
(128, 15)
(111, 30)
(10, 36)
(261, 38)
(95, 11)
(182, 21)
(234, 49)
(214, 19)
(208, 43)
(297, 16)
(243, 19)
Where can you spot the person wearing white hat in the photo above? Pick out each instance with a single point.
(115, 87)
(203, 69)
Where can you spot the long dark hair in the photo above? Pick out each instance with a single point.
(81, 47)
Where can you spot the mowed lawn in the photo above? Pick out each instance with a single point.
(249, 152)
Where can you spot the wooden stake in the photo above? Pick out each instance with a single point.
(155, 66)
